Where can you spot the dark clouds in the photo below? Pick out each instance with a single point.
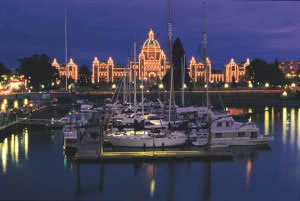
(103, 28)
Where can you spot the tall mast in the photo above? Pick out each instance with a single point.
(129, 81)
(171, 59)
(182, 79)
(204, 43)
(142, 88)
(134, 76)
(124, 86)
(66, 50)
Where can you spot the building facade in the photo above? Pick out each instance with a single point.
(151, 66)
(70, 70)
(107, 71)
(230, 72)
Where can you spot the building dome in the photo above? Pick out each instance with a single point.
(151, 42)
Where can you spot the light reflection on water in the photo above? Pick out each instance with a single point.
(284, 124)
(266, 121)
(16, 141)
(293, 128)
(160, 179)
(298, 130)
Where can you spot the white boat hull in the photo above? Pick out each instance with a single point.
(226, 142)
(146, 141)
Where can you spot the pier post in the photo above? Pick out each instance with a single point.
(78, 178)
(78, 142)
(101, 180)
(101, 137)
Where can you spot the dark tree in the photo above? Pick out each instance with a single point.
(84, 76)
(4, 70)
(178, 56)
(39, 69)
(266, 72)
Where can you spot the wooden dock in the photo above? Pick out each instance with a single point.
(154, 155)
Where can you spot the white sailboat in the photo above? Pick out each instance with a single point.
(144, 138)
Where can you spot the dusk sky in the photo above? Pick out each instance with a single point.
(103, 28)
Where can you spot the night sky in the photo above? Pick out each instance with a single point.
(238, 29)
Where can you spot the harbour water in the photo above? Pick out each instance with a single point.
(33, 166)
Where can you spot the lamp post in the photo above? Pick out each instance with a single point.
(160, 87)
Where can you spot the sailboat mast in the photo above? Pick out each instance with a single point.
(204, 43)
(124, 86)
(182, 79)
(129, 81)
(171, 60)
(66, 49)
(134, 77)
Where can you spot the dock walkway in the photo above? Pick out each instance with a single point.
(154, 155)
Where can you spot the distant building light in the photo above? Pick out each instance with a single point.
(226, 85)
(293, 85)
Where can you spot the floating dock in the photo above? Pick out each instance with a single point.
(154, 155)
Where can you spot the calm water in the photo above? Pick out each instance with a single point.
(33, 166)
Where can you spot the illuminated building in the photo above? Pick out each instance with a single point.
(289, 68)
(151, 65)
(107, 71)
(71, 69)
(230, 72)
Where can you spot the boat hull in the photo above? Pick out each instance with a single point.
(146, 141)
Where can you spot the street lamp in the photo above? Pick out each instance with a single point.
(25, 102)
(250, 85)
(3, 107)
(267, 85)
(160, 87)
(226, 85)
(293, 85)
(5, 101)
(16, 104)
(114, 86)
(285, 94)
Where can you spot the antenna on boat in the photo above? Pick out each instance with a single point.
(171, 60)
(66, 50)
(204, 43)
